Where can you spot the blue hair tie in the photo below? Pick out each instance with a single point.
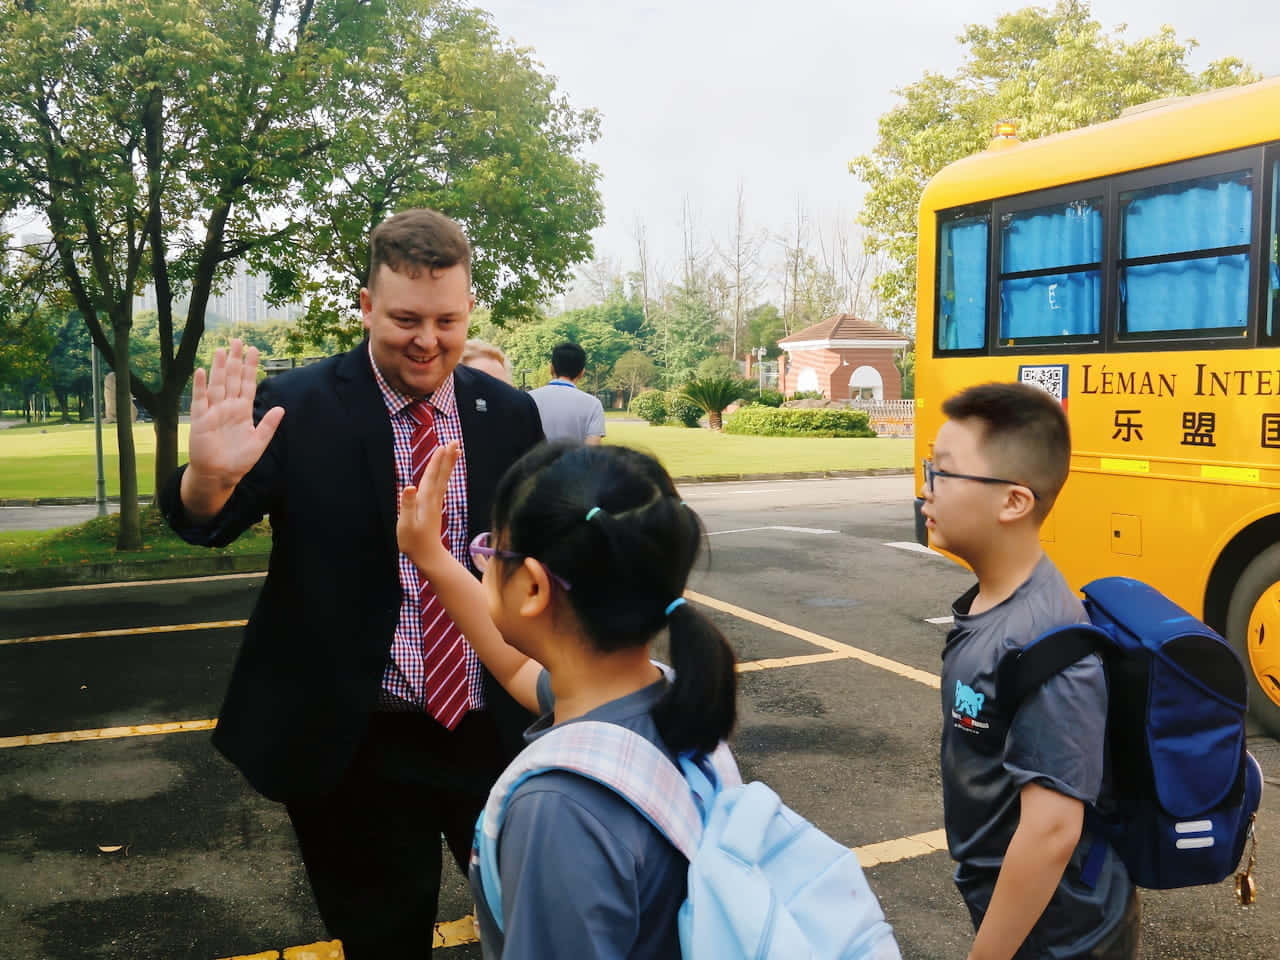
(677, 602)
(591, 513)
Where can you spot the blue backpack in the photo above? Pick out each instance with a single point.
(1184, 791)
(764, 883)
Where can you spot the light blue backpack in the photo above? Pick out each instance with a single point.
(764, 883)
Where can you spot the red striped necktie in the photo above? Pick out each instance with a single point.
(444, 650)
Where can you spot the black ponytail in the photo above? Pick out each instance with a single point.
(608, 520)
(701, 706)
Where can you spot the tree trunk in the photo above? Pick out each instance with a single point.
(165, 423)
(714, 419)
(130, 536)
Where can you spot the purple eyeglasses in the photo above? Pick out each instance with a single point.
(482, 553)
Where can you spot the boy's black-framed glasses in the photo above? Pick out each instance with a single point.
(931, 472)
(482, 553)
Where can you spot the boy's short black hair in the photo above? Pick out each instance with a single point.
(568, 360)
(1025, 434)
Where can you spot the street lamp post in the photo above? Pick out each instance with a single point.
(760, 352)
(97, 428)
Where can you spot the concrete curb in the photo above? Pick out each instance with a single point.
(692, 478)
(64, 501)
(801, 475)
(140, 570)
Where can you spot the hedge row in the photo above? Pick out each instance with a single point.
(790, 422)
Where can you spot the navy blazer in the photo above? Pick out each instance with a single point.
(310, 668)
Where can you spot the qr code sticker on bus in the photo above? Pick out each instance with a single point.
(1051, 378)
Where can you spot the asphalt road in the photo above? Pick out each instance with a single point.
(209, 870)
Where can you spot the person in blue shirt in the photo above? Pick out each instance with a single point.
(587, 563)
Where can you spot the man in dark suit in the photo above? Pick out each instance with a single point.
(354, 699)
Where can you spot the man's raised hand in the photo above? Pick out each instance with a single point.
(224, 443)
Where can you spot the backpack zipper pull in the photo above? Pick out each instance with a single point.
(1246, 887)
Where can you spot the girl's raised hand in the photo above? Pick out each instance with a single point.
(418, 530)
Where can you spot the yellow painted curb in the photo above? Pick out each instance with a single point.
(128, 631)
(903, 848)
(107, 733)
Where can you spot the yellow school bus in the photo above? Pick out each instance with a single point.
(1131, 269)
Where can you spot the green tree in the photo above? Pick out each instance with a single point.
(1050, 71)
(765, 328)
(684, 334)
(529, 347)
(632, 372)
(449, 116)
(27, 337)
(158, 140)
(70, 368)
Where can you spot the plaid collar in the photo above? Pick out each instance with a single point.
(443, 401)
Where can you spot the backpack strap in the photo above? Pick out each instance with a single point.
(1048, 656)
(613, 756)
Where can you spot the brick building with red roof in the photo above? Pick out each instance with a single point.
(843, 357)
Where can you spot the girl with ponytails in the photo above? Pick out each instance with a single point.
(585, 566)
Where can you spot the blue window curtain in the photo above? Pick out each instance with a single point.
(962, 284)
(1273, 259)
(1204, 293)
(1067, 304)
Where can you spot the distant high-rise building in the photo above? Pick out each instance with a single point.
(244, 300)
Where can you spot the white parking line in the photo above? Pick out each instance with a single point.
(816, 531)
(940, 621)
(913, 547)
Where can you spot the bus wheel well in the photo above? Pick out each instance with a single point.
(1237, 555)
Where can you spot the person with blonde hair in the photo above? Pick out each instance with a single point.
(485, 357)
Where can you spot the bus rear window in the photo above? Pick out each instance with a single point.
(1051, 273)
(1184, 267)
(962, 282)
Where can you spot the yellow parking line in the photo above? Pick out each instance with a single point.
(107, 733)
(748, 666)
(457, 933)
(128, 631)
(817, 639)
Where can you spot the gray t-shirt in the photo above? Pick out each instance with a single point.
(1056, 739)
(583, 875)
(567, 413)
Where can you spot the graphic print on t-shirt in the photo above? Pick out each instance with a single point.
(968, 705)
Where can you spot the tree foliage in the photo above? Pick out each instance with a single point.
(163, 142)
(447, 115)
(1048, 70)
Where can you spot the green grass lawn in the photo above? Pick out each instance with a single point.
(689, 452)
(59, 462)
(94, 542)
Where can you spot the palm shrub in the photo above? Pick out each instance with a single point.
(713, 394)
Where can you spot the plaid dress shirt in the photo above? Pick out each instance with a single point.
(402, 683)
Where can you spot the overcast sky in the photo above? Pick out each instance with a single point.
(699, 94)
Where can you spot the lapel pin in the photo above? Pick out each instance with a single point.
(481, 406)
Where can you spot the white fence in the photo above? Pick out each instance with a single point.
(889, 418)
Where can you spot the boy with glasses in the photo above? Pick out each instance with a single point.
(1015, 780)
